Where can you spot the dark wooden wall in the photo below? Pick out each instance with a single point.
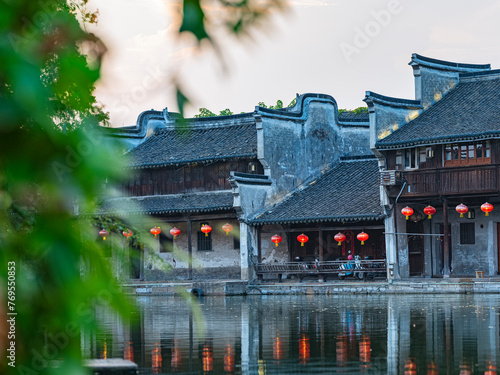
(186, 179)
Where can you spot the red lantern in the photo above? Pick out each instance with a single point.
(227, 228)
(156, 231)
(429, 211)
(487, 208)
(276, 239)
(364, 236)
(206, 229)
(461, 209)
(407, 211)
(128, 233)
(302, 238)
(339, 237)
(175, 232)
(103, 233)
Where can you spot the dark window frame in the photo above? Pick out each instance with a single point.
(204, 242)
(467, 234)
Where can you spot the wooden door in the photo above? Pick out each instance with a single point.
(415, 248)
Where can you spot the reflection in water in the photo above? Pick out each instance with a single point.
(304, 334)
(208, 358)
(156, 358)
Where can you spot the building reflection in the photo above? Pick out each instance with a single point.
(379, 334)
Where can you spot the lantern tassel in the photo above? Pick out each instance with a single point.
(206, 234)
(104, 238)
(430, 216)
(302, 244)
(362, 242)
(487, 214)
(340, 243)
(276, 244)
(407, 217)
(175, 237)
(461, 215)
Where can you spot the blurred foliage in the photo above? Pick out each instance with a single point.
(54, 161)
(239, 17)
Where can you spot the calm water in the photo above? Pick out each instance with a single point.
(308, 335)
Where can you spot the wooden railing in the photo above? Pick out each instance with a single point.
(451, 181)
(323, 268)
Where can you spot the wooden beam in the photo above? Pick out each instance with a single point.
(327, 229)
(199, 217)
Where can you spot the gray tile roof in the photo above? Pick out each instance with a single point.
(196, 145)
(348, 192)
(470, 111)
(349, 116)
(168, 204)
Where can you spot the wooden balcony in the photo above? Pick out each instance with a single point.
(451, 181)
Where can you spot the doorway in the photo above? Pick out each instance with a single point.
(415, 247)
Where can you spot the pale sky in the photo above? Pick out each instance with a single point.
(337, 47)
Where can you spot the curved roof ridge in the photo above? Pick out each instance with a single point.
(417, 59)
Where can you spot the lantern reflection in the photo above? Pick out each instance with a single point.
(432, 369)
(278, 348)
(465, 368)
(156, 359)
(128, 353)
(365, 351)
(176, 360)
(304, 349)
(491, 369)
(207, 358)
(410, 367)
(104, 353)
(229, 365)
(341, 350)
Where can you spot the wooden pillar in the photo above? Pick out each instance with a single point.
(190, 249)
(259, 246)
(446, 240)
(259, 252)
(320, 244)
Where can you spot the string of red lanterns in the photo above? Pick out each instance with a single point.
(461, 209)
(302, 238)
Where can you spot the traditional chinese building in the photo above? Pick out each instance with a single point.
(440, 150)
(303, 168)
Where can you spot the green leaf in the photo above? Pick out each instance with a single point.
(193, 19)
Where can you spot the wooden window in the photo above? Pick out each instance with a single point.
(467, 234)
(204, 242)
(410, 158)
(471, 153)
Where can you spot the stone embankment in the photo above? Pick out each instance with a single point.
(235, 287)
